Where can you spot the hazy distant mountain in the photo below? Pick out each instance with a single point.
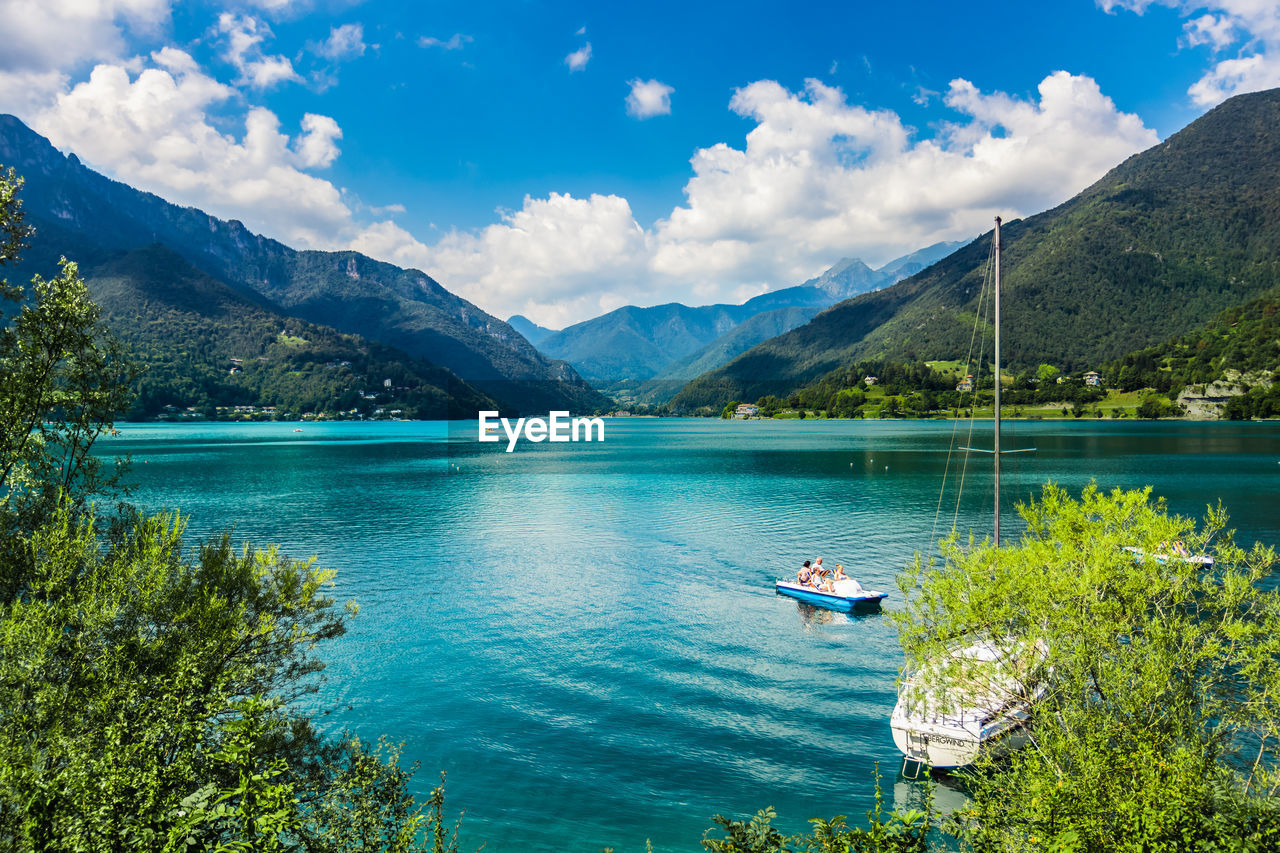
(1156, 248)
(635, 343)
(648, 343)
(532, 332)
(739, 339)
(88, 217)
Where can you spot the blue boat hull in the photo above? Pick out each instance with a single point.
(869, 600)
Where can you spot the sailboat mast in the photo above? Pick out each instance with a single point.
(996, 238)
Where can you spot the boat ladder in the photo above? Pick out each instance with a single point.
(917, 745)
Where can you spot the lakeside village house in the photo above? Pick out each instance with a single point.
(747, 410)
(966, 385)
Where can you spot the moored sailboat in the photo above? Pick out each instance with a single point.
(981, 695)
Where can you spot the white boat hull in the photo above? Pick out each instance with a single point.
(988, 711)
(947, 744)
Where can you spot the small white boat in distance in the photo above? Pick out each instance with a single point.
(846, 595)
(993, 688)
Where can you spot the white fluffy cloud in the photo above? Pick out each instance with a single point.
(561, 258)
(817, 178)
(48, 35)
(1248, 29)
(648, 98)
(579, 58)
(24, 93)
(245, 36)
(344, 42)
(152, 130)
(164, 124)
(316, 147)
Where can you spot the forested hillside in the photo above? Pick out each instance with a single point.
(1241, 348)
(90, 218)
(206, 346)
(1159, 245)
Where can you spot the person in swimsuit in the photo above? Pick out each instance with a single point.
(803, 576)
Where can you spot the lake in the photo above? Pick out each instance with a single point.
(585, 635)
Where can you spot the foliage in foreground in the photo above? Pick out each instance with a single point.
(148, 695)
(149, 703)
(64, 381)
(896, 832)
(1160, 727)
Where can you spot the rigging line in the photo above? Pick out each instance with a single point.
(1017, 455)
(988, 279)
(955, 427)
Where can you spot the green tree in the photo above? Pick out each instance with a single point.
(729, 409)
(151, 697)
(1160, 727)
(1154, 406)
(13, 232)
(64, 381)
(148, 691)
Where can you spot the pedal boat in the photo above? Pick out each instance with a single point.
(847, 595)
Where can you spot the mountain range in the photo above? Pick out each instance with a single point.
(1155, 249)
(1152, 252)
(673, 343)
(92, 219)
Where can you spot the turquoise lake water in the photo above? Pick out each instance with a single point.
(586, 637)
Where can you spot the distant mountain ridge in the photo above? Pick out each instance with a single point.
(532, 332)
(632, 343)
(742, 337)
(1156, 248)
(87, 216)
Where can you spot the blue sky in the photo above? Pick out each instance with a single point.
(562, 159)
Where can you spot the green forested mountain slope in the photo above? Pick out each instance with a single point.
(192, 331)
(88, 217)
(1241, 346)
(1154, 249)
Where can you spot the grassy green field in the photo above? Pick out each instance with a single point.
(1116, 404)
